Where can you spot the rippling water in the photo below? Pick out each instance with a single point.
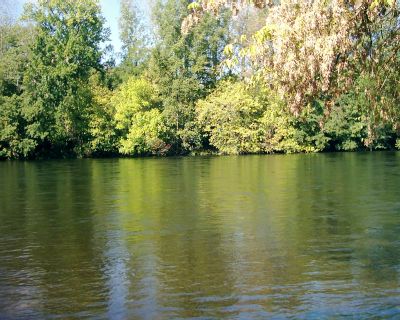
(252, 237)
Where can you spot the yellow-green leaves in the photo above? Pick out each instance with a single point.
(264, 34)
(230, 117)
(140, 121)
(194, 6)
(136, 95)
(228, 50)
(377, 3)
(145, 134)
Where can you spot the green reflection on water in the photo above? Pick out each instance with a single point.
(236, 237)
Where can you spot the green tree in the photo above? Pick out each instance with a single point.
(15, 40)
(14, 143)
(185, 67)
(101, 125)
(65, 51)
(354, 123)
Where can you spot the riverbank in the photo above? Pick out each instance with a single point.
(190, 155)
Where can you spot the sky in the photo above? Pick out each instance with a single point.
(110, 9)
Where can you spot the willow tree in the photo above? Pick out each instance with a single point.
(308, 49)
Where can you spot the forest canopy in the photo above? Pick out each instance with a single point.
(211, 76)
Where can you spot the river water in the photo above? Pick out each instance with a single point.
(250, 237)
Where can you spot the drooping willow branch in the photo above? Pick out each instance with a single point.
(297, 49)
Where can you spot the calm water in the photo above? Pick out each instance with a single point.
(253, 237)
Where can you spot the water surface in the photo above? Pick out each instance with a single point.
(252, 237)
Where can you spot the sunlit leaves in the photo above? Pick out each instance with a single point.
(230, 117)
(141, 124)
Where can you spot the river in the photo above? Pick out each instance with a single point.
(250, 237)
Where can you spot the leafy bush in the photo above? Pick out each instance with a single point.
(139, 120)
(231, 119)
(13, 142)
(145, 136)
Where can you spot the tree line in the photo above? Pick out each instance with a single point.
(228, 77)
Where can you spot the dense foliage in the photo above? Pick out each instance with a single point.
(220, 76)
